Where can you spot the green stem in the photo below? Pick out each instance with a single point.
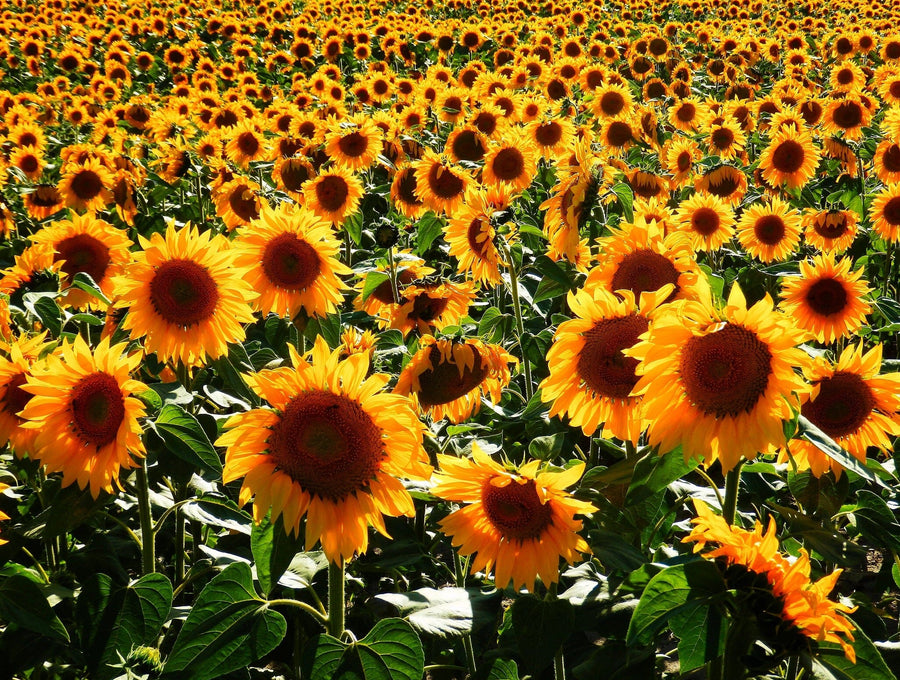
(732, 482)
(793, 668)
(133, 536)
(336, 601)
(395, 289)
(712, 485)
(559, 665)
(148, 551)
(37, 564)
(630, 450)
(520, 325)
(889, 255)
(468, 648)
(179, 547)
(312, 611)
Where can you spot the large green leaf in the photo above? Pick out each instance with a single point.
(229, 627)
(447, 612)
(23, 603)
(273, 551)
(654, 472)
(541, 627)
(391, 651)
(830, 662)
(808, 431)
(670, 592)
(184, 437)
(701, 634)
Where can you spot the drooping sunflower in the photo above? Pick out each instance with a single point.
(289, 258)
(640, 257)
(708, 219)
(790, 158)
(519, 523)
(471, 235)
(885, 213)
(785, 588)
(381, 301)
(30, 270)
(590, 378)
(331, 447)
(510, 162)
(719, 383)
(333, 195)
(289, 174)
(851, 402)
(238, 202)
(770, 231)
(448, 379)
(562, 220)
(827, 299)
(86, 244)
(86, 186)
(830, 230)
(44, 201)
(85, 414)
(439, 183)
(726, 181)
(431, 305)
(14, 372)
(185, 295)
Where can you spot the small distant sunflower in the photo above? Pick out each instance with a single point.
(353, 144)
(404, 196)
(885, 213)
(726, 139)
(708, 219)
(427, 305)
(14, 372)
(85, 413)
(185, 296)
(770, 231)
(333, 195)
(830, 230)
(86, 244)
(238, 202)
(783, 591)
(331, 447)
(590, 378)
(448, 379)
(246, 143)
(440, 184)
(790, 158)
(86, 186)
(46, 200)
(471, 235)
(519, 523)
(827, 299)
(640, 257)
(726, 181)
(510, 162)
(852, 403)
(289, 258)
(719, 383)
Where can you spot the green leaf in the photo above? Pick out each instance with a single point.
(653, 473)
(670, 592)
(218, 510)
(547, 447)
(373, 280)
(430, 227)
(830, 662)
(701, 634)
(503, 669)
(229, 627)
(273, 551)
(23, 603)
(875, 521)
(626, 198)
(184, 437)
(50, 314)
(447, 612)
(830, 448)
(85, 282)
(541, 627)
(354, 227)
(391, 651)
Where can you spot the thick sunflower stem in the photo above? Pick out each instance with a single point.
(888, 268)
(732, 482)
(520, 325)
(336, 599)
(148, 541)
(468, 648)
(559, 663)
(395, 289)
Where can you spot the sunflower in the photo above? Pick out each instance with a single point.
(887, 161)
(448, 379)
(331, 447)
(590, 378)
(86, 186)
(519, 523)
(785, 588)
(289, 258)
(830, 230)
(770, 231)
(679, 155)
(470, 234)
(185, 296)
(885, 213)
(333, 195)
(727, 182)
(245, 143)
(85, 414)
(618, 134)
(86, 244)
(381, 301)
(851, 403)
(510, 162)
(35, 266)
(847, 115)
(289, 175)
(238, 202)
(7, 220)
(466, 143)
(14, 372)
(719, 383)
(403, 193)
(726, 139)
(827, 298)
(790, 158)
(612, 100)
(553, 136)
(562, 220)
(640, 257)
(428, 305)
(354, 143)
(686, 114)
(708, 219)
(441, 185)
(45, 200)
(355, 341)
(29, 161)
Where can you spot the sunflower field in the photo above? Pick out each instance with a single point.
(398, 340)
